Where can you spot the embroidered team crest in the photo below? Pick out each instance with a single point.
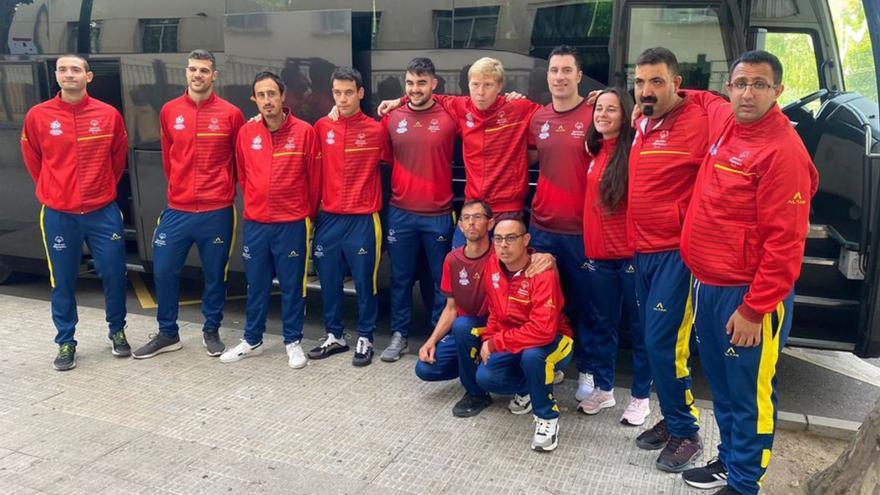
(94, 126)
(290, 144)
(257, 143)
(470, 120)
(246, 252)
(402, 126)
(392, 235)
(578, 131)
(319, 251)
(496, 278)
(361, 139)
(55, 128)
(435, 125)
(463, 277)
(59, 243)
(501, 120)
(179, 123)
(331, 137)
(545, 131)
(214, 125)
(160, 239)
(738, 160)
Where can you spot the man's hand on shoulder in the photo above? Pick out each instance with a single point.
(541, 262)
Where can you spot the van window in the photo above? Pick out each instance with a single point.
(854, 43)
(800, 73)
(692, 33)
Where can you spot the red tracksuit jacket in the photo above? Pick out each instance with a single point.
(663, 164)
(750, 213)
(198, 152)
(495, 149)
(75, 153)
(604, 232)
(351, 150)
(279, 172)
(523, 312)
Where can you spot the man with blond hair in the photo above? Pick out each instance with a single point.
(494, 140)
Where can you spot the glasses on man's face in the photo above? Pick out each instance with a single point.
(476, 217)
(757, 85)
(506, 239)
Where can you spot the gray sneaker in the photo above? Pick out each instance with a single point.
(158, 344)
(395, 349)
(212, 343)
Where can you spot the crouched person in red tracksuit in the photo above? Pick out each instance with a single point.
(527, 337)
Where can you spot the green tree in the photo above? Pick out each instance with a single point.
(854, 44)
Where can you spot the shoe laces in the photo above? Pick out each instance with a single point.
(362, 345)
(330, 340)
(396, 340)
(544, 426)
(119, 338)
(715, 465)
(634, 404)
(521, 400)
(585, 379)
(674, 444)
(66, 350)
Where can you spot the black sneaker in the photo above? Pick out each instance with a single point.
(679, 453)
(363, 353)
(712, 475)
(655, 438)
(158, 344)
(213, 345)
(329, 347)
(727, 491)
(66, 359)
(119, 344)
(471, 405)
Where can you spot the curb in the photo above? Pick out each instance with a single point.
(821, 426)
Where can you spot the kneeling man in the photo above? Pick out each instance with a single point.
(527, 337)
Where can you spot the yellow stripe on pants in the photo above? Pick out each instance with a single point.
(46, 245)
(563, 349)
(377, 233)
(308, 255)
(767, 369)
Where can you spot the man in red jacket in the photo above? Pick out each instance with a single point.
(743, 238)
(527, 338)
(348, 230)
(669, 145)
(198, 131)
(278, 160)
(74, 147)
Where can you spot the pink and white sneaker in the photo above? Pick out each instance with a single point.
(636, 412)
(598, 400)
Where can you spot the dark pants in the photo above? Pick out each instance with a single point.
(213, 233)
(63, 237)
(742, 380)
(281, 250)
(456, 355)
(663, 292)
(355, 241)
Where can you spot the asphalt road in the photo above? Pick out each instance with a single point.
(802, 387)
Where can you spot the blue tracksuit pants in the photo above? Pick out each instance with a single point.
(612, 291)
(665, 310)
(574, 277)
(743, 381)
(213, 233)
(280, 250)
(63, 236)
(456, 355)
(407, 234)
(356, 241)
(527, 372)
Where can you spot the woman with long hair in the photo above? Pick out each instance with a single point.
(611, 272)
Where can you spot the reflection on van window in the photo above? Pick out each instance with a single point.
(159, 35)
(800, 75)
(94, 36)
(470, 27)
(693, 34)
(854, 43)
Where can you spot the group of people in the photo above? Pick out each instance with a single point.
(684, 212)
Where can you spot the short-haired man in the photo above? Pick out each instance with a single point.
(75, 148)
(420, 214)
(670, 143)
(743, 238)
(278, 161)
(494, 133)
(348, 231)
(558, 131)
(198, 132)
(527, 337)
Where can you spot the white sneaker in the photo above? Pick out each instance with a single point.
(546, 434)
(585, 386)
(296, 358)
(558, 377)
(241, 351)
(636, 412)
(598, 400)
(520, 404)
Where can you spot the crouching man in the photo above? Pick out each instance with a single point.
(527, 337)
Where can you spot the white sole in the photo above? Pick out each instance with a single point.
(605, 405)
(520, 413)
(168, 348)
(706, 486)
(236, 359)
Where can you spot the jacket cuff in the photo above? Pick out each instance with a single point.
(749, 313)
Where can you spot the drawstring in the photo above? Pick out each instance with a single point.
(696, 300)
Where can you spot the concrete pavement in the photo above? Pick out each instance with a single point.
(186, 423)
